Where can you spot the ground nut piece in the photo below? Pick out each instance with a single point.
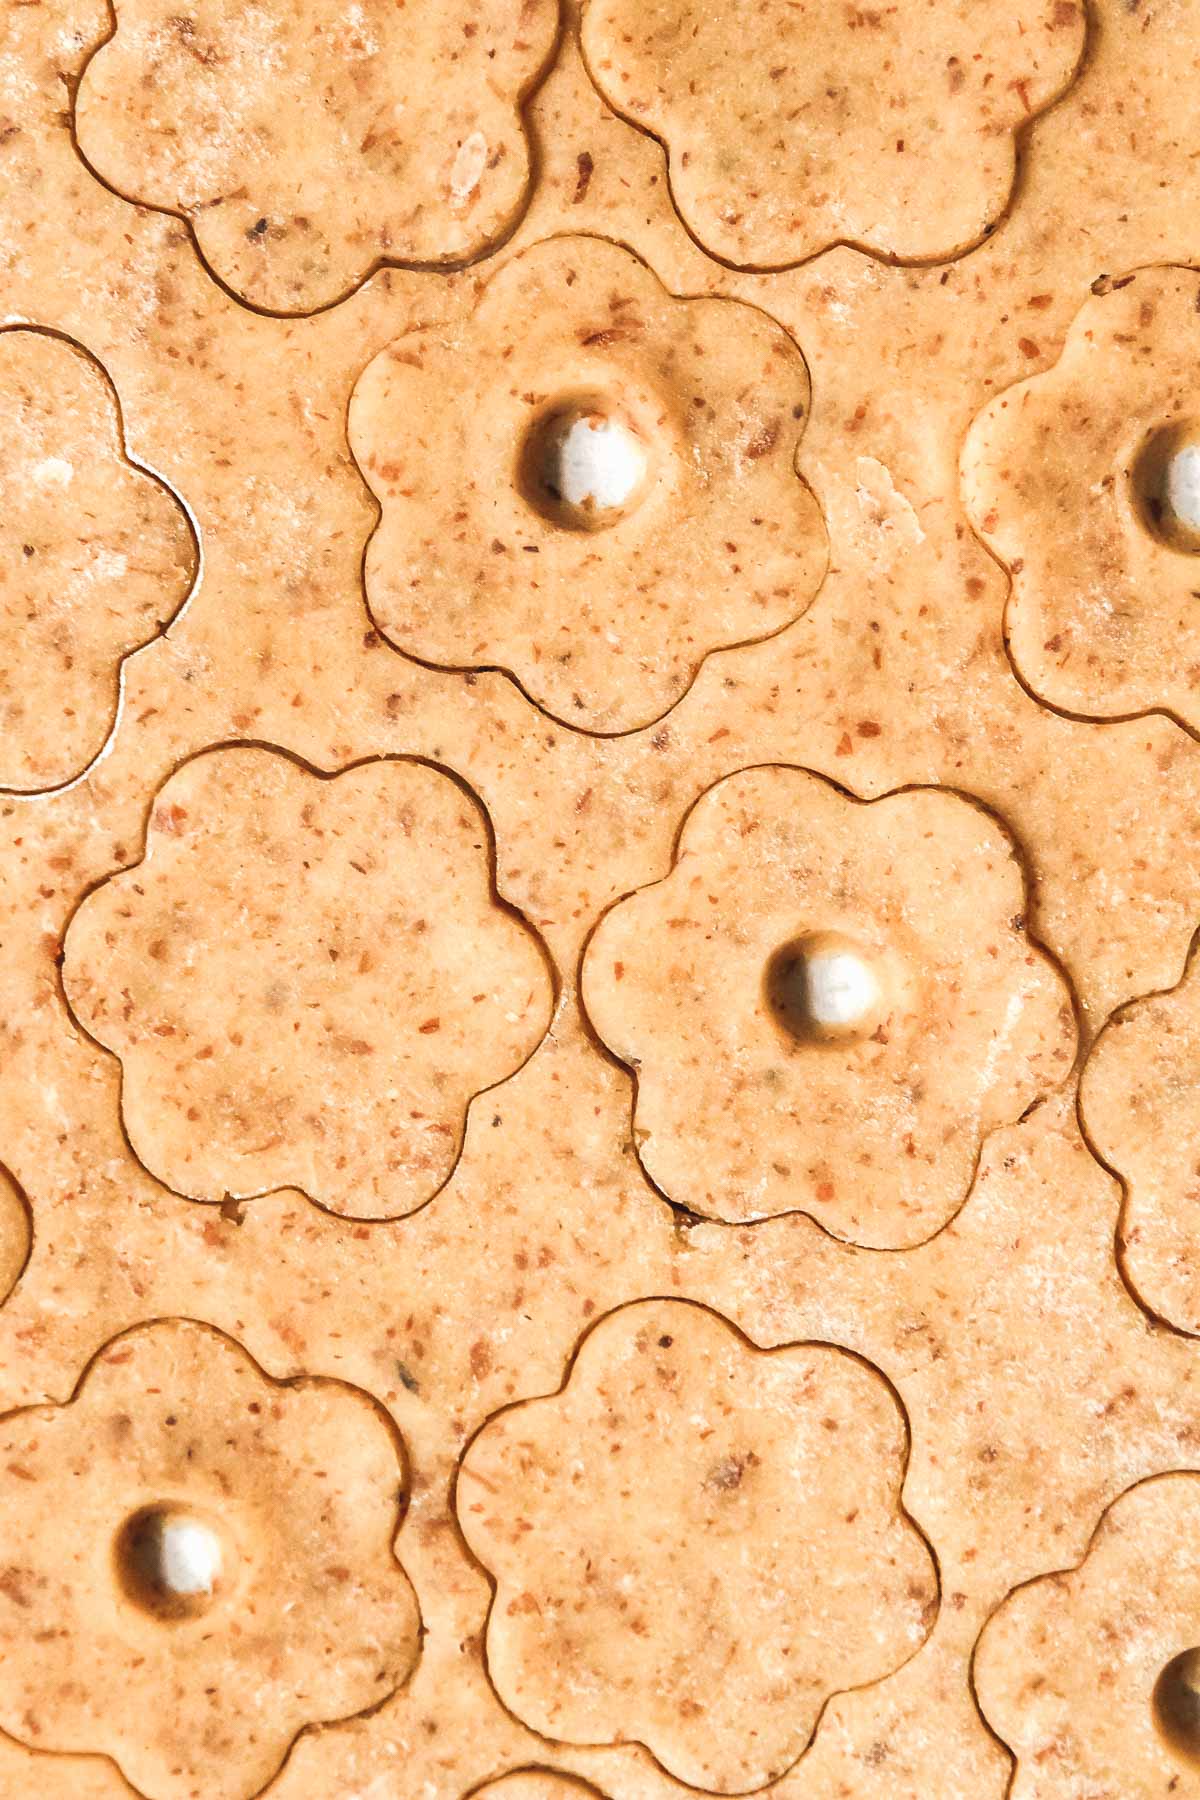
(892, 128)
(307, 980)
(695, 1543)
(1084, 482)
(588, 483)
(1139, 1100)
(1090, 1675)
(228, 1576)
(827, 1005)
(95, 556)
(307, 142)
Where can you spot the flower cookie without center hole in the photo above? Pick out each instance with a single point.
(307, 143)
(1085, 482)
(695, 1543)
(891, 129)
(588, 483)
(827, 1004)
(96, 556)
(307, 980)
(1139, 1099)
(228, 1574)
(1091, 1676)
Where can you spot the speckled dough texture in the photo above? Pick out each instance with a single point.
(599, 1154)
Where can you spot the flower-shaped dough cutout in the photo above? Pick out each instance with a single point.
(96, 556)
(228, 1576)
(1139, 1100)
(827, 1004)
(1092, 1676)
(694, 1543)
(893, 129)
(536, 1784)
(307, 980)
(588, 483)
(401, 141)
(16, 1232)
(1085, 482)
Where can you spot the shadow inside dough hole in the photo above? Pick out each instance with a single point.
(1165, 479)
(173, 1561)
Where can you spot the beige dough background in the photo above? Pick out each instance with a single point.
(1035, 1385)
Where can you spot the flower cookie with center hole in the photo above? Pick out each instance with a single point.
(1091, 1676)
(827, 1004)
(1139, 1100)
(694, 1543)
(96, 556)
(1085, 482)
(588, 483)
(307, 980)
(892, 129)
(307, 142)
(227, 1576)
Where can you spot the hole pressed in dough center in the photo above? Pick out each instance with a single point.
(1176, 1706)
(171, 1562)
(584, 466)
(825, 988)
(1166, 485)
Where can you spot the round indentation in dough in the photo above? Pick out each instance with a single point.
(1176, 1706)
(583, 465)
(1166, 484)
(173, 1561)
(826, 988)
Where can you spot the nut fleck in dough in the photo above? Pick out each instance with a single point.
(827, 1005)
(1085, 1674)
(695, 1543)
(789, 128)
(198, 1563)
(601, 591)
(307, 979)
(1139, 1099)
(95, 556)
(1085, 481)
(306, 142)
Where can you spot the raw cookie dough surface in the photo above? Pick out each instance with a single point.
(232, 1154)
